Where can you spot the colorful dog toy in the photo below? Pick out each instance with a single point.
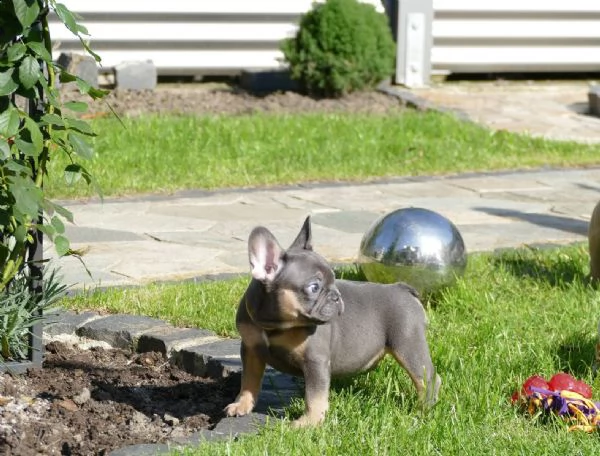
(564, 396)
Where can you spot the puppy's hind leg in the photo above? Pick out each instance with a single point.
(414, 357)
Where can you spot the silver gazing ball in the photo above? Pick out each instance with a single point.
(413, 245)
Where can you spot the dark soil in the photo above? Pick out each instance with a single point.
(89, 402)
(227, 100)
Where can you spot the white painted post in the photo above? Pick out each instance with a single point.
(413, 42)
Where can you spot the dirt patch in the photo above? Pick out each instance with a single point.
(226, 100)
(89, 402)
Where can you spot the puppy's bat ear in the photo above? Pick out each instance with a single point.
(303, 240)
(265, 254)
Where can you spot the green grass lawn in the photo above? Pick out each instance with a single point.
(163, 154)
(512, 315)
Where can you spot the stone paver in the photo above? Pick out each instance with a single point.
(121, 331)
(552, 110)
(188, 237)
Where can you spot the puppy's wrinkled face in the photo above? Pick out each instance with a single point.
(306, 289)
(294, 287)
(303, 293)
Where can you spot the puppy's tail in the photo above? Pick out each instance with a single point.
(406, 287)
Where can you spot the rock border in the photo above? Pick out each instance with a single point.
(197, 351)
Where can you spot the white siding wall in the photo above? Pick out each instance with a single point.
(515, 35)
(226, 36)
(186, 36)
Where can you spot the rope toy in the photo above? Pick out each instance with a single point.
(563, 396)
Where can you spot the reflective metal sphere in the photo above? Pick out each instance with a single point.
(413, 245)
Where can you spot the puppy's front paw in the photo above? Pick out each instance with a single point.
(241, 407)
(308, 420)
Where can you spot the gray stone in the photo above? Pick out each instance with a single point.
(136, 75)
(277, 391)
(144, 449)
(170, 419)
(83, 234)
(346, 221)
(217, 360)
(121, 331)
(226, 429)
(167, 339)
(83, 66)
(267, 81)
(84, 396)
(67, 321)
(234, 426)
(594, 100)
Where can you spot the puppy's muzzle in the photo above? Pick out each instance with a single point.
(329, 305)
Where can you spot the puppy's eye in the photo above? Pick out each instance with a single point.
(313, 287)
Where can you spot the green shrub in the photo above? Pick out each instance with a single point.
(341, 46)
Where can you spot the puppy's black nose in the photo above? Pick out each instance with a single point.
(336, 299)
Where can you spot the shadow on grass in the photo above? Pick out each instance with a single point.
(557, 222)
(556, 269)
(576, 355)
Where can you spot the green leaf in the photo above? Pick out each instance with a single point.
(16, 52)
(48, 230)
(97, 93)
(27, 11)
(79, 125)
(18, 167)
(9, 122)
(4, 149)
(86, 46)
(80, 146)
(29, 72)
(40, 50)
(53, 119)
(65, 77)
(58, 224)
(66, 17)
(62, 245)
(51, 94)
(77, 106)
(85, 87)
(20, 233)
(7, 83)
(61, 210)
(26, 147)
(82, 29)
(37, 139)
(72, 173)
(28, 197)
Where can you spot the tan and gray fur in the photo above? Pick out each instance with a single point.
(594, 243)
(296, 317)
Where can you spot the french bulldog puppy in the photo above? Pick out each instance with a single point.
(296, 317)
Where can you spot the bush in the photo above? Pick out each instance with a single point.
(341, 46)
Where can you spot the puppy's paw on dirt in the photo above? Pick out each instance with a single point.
(239, 408)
